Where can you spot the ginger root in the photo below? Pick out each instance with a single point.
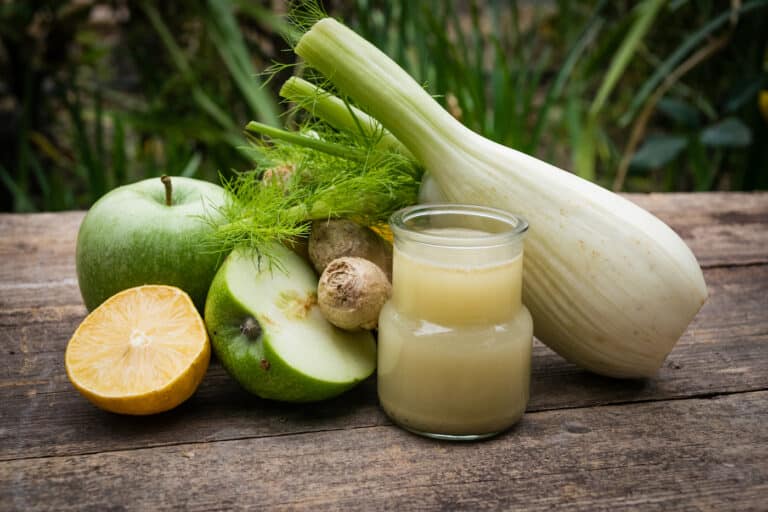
(351, 293)
(338, 238)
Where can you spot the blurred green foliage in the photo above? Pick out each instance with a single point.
(588, 85)
(649, 95)
(98, 94)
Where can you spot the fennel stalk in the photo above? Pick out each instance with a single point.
(312, 174)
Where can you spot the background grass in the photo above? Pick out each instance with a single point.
(650, 95)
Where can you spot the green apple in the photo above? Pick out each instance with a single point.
(132, 236)
(270, 335)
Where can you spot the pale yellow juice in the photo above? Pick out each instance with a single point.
(455, 340)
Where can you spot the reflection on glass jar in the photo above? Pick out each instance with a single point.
(455, 340)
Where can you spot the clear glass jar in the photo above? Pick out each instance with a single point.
(455, 339)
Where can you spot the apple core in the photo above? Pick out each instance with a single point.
(251, 328)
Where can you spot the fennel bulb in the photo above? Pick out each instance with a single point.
(610, 287)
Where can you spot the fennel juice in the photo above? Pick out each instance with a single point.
(455, 340)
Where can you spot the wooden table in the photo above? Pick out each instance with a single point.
(693, 438)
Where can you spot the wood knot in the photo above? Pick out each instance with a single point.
(574, 427)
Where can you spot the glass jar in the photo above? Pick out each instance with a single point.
(455, 339)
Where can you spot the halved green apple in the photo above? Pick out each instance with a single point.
(270, 336)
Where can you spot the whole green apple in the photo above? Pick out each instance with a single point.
(150, 232)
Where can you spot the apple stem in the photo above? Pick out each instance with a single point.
(168, 189)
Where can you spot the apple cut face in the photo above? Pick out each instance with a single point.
(270, 335)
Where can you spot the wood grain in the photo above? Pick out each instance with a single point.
(691, 438)
(724, 350)
(675, 455)
(720, 228)
(37, 250)
(36, 246)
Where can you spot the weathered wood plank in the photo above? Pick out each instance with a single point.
(37, 260)
(674, 455)
(37, 250)
(721, 228)
(224, 448)
(724, 350)
(34, 245)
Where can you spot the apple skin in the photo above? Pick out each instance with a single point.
(271, 362)
(130, 237)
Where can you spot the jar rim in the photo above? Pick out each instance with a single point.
(517, 225)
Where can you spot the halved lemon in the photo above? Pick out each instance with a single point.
(143, 351)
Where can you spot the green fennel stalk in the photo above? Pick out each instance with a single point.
(338, 113)
(311, 174)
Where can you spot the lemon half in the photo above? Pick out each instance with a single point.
(144, 350)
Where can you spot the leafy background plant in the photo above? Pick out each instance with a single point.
(639, 96)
